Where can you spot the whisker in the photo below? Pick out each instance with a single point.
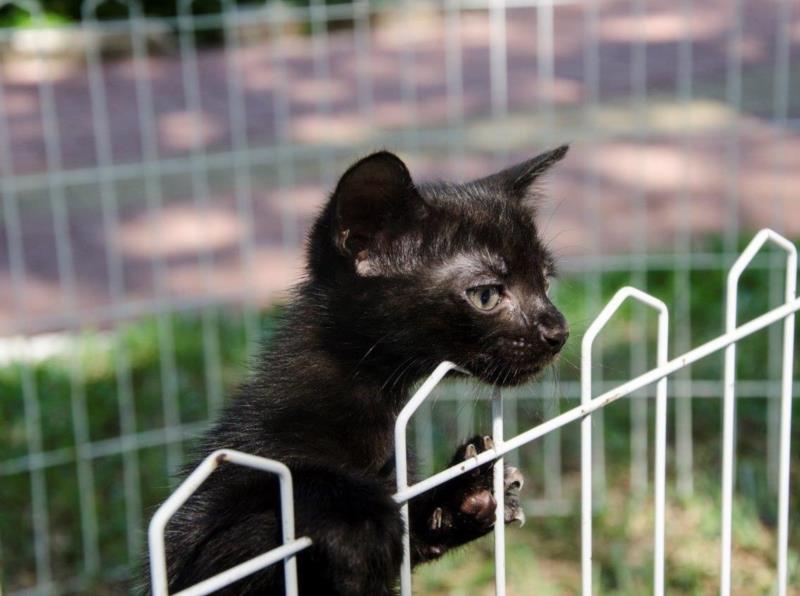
(368, 352)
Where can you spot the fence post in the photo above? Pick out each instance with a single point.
(499, 496)
(285, 552)
(401, 461)
(729, 407)
(586, 434)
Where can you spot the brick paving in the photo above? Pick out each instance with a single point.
(638, 175)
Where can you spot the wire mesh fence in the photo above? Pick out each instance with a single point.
(589, 405)
(159, 173)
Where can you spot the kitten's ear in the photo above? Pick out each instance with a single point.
(517, 180)
(374, 201)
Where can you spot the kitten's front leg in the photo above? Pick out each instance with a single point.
(462, 509)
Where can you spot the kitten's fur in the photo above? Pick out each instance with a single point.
(389, 265)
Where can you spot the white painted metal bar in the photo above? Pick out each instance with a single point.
(66, 278)
(638, 349)
(511, 427)
(104, 155)
(682, 295)
(158, 524)
(434, 135)
(464, 418)
(243, 186)
(588, 406)
(408, 82)
(498, 60)
(155, 207)
(591, 68)
(660, 467)
(276, 13)
(733, 150)
(604, 399)
(40, 521)
(401, 460)
(454, 85)
(190, 77)
(785, 449)
(703, 389)
(498, 480)
(586, 434)
(362, 34)
(424, 439)
(295, 14)
(780, 98)
(98, 315)
(227, 577)
(774, 356)
(780, 112)
(571, 390)
(321, 56)
(729, 396)
(778, 218)
(545, 80)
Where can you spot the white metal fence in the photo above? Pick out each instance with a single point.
(116, 140)
(589, 405)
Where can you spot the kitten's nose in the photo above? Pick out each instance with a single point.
(554, 334)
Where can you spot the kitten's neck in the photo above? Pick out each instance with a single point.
(350, 395)
(354, 359)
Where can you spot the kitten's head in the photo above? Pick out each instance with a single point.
(414, 274)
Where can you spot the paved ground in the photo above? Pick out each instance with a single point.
(639, 174)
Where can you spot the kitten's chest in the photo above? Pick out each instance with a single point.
(369, 429)
(372, 448)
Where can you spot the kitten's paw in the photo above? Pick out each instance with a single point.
(463, 509)
(514, 481)
(477, 499)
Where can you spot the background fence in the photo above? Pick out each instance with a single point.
(157, 173)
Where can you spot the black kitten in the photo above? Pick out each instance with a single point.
(400, 277)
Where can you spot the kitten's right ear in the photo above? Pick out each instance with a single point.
(517, 181)
(374, 201)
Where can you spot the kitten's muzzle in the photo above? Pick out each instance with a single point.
(553, 331)
(554, 337)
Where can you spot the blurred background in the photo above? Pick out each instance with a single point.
(160, 164)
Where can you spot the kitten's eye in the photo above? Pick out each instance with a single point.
(485, 297)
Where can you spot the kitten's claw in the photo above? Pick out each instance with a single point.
(514, 480)
(476, 498)
(466, 507)
(436, 519)
(518, 518)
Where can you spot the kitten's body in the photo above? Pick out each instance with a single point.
(384, 303)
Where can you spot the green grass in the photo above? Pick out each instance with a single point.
(13, 17)
(89, 374)
(544, 554)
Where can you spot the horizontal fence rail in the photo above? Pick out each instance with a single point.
(286, 552)
(589, 406)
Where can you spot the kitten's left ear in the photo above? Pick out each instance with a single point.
(374, 201)
(517, 180)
